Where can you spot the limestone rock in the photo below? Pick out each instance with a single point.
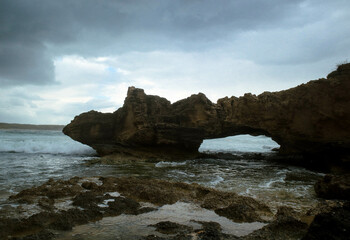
(312, 118)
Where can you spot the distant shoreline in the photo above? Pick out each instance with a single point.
(31, 126)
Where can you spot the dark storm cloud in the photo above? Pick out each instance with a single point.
(33, 33)
(25, 63)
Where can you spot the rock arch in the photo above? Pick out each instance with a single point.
(310, 118)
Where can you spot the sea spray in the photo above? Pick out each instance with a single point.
(39, 141)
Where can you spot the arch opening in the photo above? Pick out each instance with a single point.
(244, 143)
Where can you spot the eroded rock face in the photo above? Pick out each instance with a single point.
(310, 118)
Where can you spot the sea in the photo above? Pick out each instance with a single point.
(31, 157)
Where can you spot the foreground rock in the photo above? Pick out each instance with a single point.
(47, 211)
(311, 119)
(334, 224)
(61, 205)
(334, 187)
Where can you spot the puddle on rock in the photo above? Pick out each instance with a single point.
(136, 226)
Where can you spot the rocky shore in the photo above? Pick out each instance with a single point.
(51, 210)
(311, 122)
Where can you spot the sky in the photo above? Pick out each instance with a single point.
(61, 58)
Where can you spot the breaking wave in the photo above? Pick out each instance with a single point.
(169, 164)
(50, 142)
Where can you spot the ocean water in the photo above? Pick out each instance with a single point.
(31, 157)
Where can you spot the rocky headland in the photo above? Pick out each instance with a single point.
(311, 120)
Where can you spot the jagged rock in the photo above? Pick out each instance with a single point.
(312, 118)
(280, 229)
(239, 213)
(167, 227)
(334, 187)
(83, 206)
(334, 224)
(161, 192)
(42, 235)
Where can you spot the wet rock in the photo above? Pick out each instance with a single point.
(41, 219)
(162, 192)
(89, 185)
(281, 229)
(285, 212)
(65, 220)
(168, 227)
(108, 184)
(46, 203)
(92, 205)
(27, 226)
(42, 235)
(145, 210)
(212, 231)
(8, 226)
(209, 231)
(325, 207)
(176, 237)
(334, 187)
(239, 213)
(147, 190)
(51, 189)
(87, 199)
(73, 181)
(123, 205)
(332, 225)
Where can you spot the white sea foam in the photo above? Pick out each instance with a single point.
(41, 142)
(105, 203)
(271, 182)
(216, 180)
(178, 173)
(113, 194)
(169, 164)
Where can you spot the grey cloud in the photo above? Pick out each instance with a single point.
(322, 40)
(33, 32)
(23, 64)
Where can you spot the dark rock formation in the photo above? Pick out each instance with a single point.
(311, 118)
(167, 227)
(82, 205)
(280, 229)
(328, 220)
(209, 231)
(334, 187)
(161, 192)
(239, 213)
(334, 224)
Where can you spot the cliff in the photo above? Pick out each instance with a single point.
(311, 119)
